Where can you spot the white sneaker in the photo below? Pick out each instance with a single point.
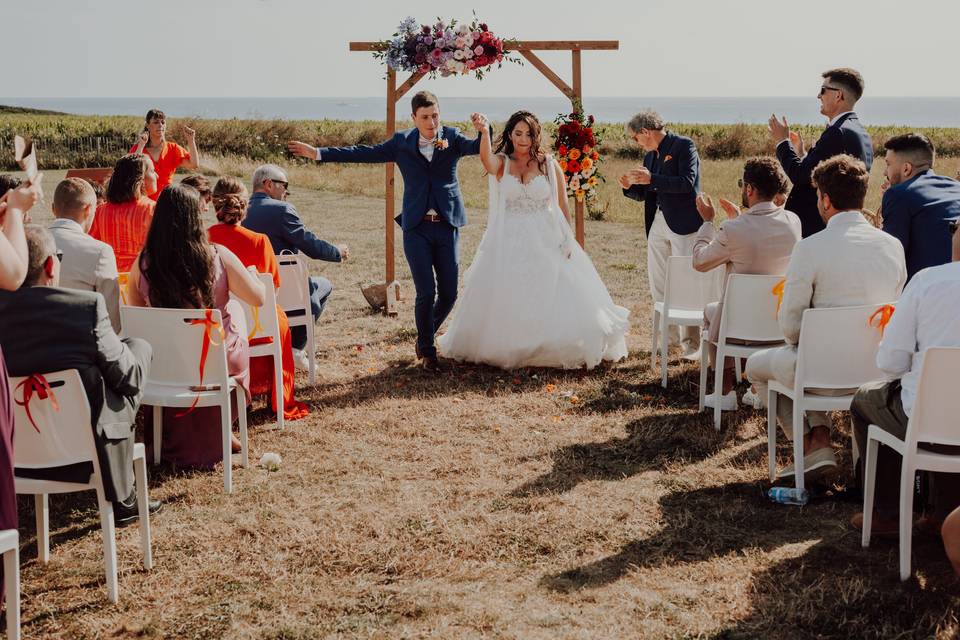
(752, 400)
(301, 360)
(691, 352)
(727, 402)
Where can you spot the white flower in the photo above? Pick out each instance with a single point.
(460, 67)
(458, 54)
(451, 65)
(467, 54)
(270, 461)
(575, 182)
(459, 42)
(468, 40)
(463, 29)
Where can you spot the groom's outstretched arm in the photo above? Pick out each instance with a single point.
(383, 152)
(468, 146)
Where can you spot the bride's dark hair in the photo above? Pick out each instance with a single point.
(505, 144)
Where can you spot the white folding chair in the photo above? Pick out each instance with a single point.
(749, 315)
(264, 336)
(177, 336)
(65, 437)
(10, 548)
(686, 293)
(933, 420)
(294, 298)
(837, 350)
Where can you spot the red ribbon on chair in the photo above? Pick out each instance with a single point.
(208, 323)
(778, 292)
(882, 317)
(36, 383)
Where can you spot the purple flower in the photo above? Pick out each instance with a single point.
(428, 40)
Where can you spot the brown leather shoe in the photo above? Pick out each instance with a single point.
(879, 526)
(433, 364)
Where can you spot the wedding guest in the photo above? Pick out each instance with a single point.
(45, 328)
(87, 264)
(927, 315)
(167, 156)
(203, 187)
(98, 191)
(667, 184)
(918, 204)
(269, 214)
(8, 182)
(757, 241)
(839, 92)
(849, 263)
(254, 250)
(179, 269)
(951, 538)
(123, 221)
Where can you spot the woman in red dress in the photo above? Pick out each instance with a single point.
(124, 219)
(166, 155)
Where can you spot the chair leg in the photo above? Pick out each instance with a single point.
(738, 369)
(242, 419)
(869, 485)
(143, 506)
(109, 545)
(664, 344)
(655, 332)
(11, 581)
(772, 434)
(42, 508)
(906, 517)
(157, 433)
(278, 386)
(798, 442)
(225, 428)
(718, 388)
(701, 401)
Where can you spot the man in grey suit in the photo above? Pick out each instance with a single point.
(87, 264)
(45, 328)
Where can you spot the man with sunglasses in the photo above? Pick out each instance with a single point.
(839, 92)
(919, 203)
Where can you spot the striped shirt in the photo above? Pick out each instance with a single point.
(124, 227)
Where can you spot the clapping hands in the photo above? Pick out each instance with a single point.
(708, 211)
(778, 130)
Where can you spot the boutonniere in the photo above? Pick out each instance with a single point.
(440, 142)
(667, 159)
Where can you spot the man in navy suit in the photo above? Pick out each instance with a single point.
(667, 184)
(839, 92)
(919, 204)
(433, 210)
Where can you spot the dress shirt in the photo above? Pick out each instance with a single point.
(927, 315)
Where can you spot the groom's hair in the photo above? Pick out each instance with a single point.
(422, 99)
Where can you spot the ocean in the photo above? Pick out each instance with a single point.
(914, 112)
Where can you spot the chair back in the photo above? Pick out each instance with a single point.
(177, 337)
(688, 289)
(838, 347)
(266, 323)
(294, 292)
(57, 430)
(750, 308)
(936, 409)
(99, 175)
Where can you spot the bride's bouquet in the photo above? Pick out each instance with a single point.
(447, 48)
(576, 148)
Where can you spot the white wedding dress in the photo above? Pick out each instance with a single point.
(532, 297)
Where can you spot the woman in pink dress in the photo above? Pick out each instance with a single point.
(179, 269)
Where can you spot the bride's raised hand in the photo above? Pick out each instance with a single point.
(480, 122)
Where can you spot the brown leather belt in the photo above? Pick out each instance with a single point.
(433, 217)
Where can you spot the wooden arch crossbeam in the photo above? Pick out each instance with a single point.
(526, 48)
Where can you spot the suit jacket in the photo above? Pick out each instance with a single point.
(674, 184)
(88, 265)
(45, 329)
(426, 185)
(849, 263)
(916, 212)
(846, 135)
(279, 221)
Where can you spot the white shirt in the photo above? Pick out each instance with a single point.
(426, 149)
(927, 315)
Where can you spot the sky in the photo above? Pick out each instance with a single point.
(192, 48)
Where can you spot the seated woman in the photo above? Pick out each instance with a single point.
(254, 250)
(124, 219)
(179, 269)
(202, 185)
(166, 155)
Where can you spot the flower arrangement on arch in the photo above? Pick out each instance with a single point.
(576, 150)
(447, 48)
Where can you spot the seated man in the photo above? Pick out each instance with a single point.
(45, 328)
(87, 263)
(267, 213)
(927, 315)
(919, 203)
(847, 264)
(758, 241)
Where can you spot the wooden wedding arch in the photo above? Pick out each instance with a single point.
(526, 48)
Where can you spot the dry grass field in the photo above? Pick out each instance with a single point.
(485, 503)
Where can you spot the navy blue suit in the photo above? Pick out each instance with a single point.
(916, 213)
(430, 247)
(846, 135)
(674, 183)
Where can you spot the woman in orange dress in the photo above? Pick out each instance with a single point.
(254, 250)
(166, 155)
(124, 219)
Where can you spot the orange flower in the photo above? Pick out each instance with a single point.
(595, 155)
(586, 150)
(586, 163)
(550, 388)
(580, 193)
(667, 159)
(563, 165)
(574, 154)
(592, 181)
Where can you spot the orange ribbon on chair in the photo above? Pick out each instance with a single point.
(778, 292)
(122, 279)
(208, 323)
(36, 383)
(882, 317)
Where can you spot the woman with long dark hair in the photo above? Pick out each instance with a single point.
(124, 219)
(532, 297)
(179, 269)
(165, 154)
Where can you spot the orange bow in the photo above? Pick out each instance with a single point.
(208, 324)
(36, 383)
(882, 316)
(778, 292)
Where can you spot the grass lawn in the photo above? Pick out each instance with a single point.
(525, 504)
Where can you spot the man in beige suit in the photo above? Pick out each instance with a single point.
(847, 264)
(757, 241)
(87, 263)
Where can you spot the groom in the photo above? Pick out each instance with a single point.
(433, 210)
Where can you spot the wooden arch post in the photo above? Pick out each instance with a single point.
(526, 48)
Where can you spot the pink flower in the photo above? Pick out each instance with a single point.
(436, 55)
(471, 64)
(478, 51)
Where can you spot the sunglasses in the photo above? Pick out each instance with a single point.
(825, 88)
(285, 185)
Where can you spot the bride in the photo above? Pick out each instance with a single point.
(532, 297)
